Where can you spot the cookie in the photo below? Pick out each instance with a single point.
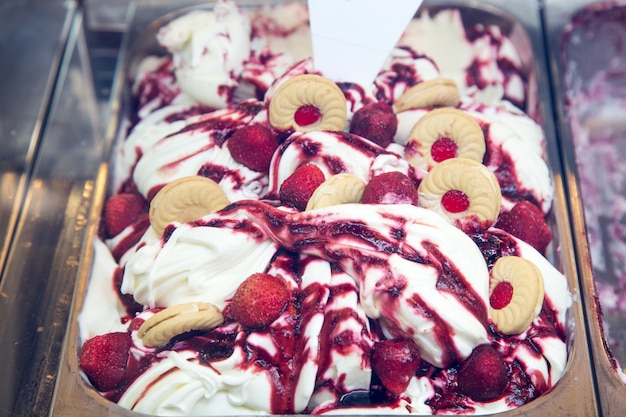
(442, 134)
(516, 294)
(184, 200)
(160, 328)
(341, 188)
(308, 102)
(439, 92)
(464, 191)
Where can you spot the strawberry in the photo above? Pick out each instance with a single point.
(259, 300)
(253, 146)
(483, 375)
(390, 188)
(298, 188)
(376, 122)
(121, 210)
(104, 359)
(395, 361)
(525, 221)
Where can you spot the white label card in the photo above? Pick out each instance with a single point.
(352, 38)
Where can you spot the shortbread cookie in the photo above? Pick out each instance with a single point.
(184, 200)
(341, 188)
(439, 92)
(516, 294)
(464, 191)
(160, 328)
(442, 134)
(308, 102)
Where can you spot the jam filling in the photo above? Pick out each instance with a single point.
(443, 148)
(455, 201)
(307, 115)
(501, 295)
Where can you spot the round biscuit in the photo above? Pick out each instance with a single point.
(438, 92)
(473, 179)
(184, 200)
(450, 123)
(161, 327)
(340, 188)
(308, 89)
(528, 292)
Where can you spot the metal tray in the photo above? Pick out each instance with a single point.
(28, 85)
(39, 275)
(585, 61)
(573, 395)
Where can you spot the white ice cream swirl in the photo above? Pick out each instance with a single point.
(405, 282)
(209, 49)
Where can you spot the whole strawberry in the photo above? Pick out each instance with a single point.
(525, 221)
(395, 361)
(104, 359)
(390, 188)
(253, 146)
(298, 188)
(376, 122)
(121, 210)
(483, 375)
(259, 300)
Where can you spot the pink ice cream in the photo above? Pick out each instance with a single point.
(595, 100)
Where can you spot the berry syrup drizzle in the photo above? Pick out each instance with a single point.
(157, 88)
(361, 247)
(322, 148)
(350, 245)
(282, 364)
(357, 247)
(493, 38)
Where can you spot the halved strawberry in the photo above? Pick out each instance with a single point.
(390, 188)
(298, 188)
(376, 122)
(104, 359)
(483, 375)
(259, 300)
(525, 221)
(121, 210)
(395, 361)
(253, 146)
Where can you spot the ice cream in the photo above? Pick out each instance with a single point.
(280, 252)
(485, 64)
(595, 97)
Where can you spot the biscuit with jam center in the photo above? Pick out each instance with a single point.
(308, 102)
(516, 294)
(464, 191)
(443, 134)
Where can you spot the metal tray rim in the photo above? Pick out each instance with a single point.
(610, 386)
(578, 372)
